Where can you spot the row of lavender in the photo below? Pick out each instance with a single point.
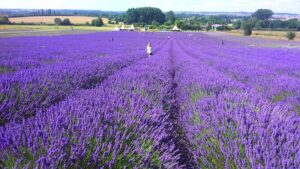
(193, 90)
(29, 90)
(30, 52)
(284, 61)
(272, 72)
(119, 124)
(229, 123)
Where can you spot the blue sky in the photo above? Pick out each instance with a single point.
(291, 6)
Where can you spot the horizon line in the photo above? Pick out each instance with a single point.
(138, 7)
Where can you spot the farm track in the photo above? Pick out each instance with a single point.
(175, 129)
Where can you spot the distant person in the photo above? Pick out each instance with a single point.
(222, 42)
(149, 49)
(112, 39)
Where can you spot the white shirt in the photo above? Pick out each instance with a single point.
(149, 50)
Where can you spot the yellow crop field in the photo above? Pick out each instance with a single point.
(50, 19)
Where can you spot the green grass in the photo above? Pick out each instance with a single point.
(298, 109)
(281, 96)
(6, 69)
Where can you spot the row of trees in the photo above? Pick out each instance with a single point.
(277, 24)
(271, 24)
(95, 22)
(157, 19)
(147, 16)
(66, 21)
(4, 20)
(260, 19)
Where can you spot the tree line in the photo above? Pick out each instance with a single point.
(4, 20)
(261, 19)
(59, 21)
(95, 22)
(147, 16)
(156, 18)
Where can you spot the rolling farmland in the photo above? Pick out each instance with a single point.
(50, 19)
(98, 101)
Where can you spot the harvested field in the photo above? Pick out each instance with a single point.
(50, 19)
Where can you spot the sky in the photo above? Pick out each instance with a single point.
(288, 6)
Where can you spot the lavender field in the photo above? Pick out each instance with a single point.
(98, 101)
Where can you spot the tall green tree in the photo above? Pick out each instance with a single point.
(97, 22)
(4, 20)
(292, 23)
(57, 21)
(66, 22)
(179, 23)
(170, 17)
(145, 15)
(263, 14)
(259, 24)
(237, 24)
(291, 35)
(248, 27)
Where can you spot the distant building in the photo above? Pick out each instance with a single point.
(112, 22)
(204, 27)
(215, 26)
(123, 28)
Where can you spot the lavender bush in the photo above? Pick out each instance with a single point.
(26, 91)
(196, 103)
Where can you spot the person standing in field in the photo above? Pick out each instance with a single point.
(149, 49)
